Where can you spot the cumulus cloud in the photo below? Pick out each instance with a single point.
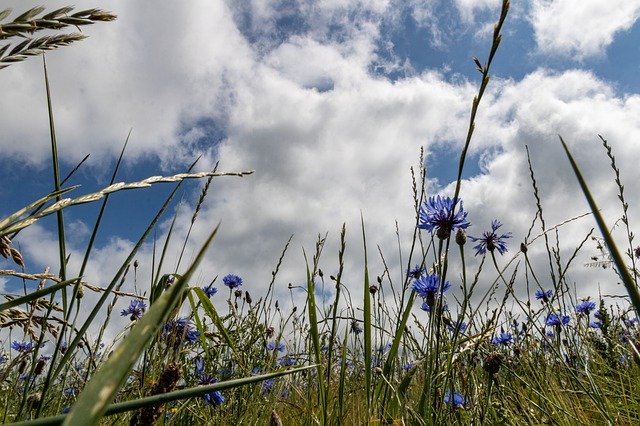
(580, 29)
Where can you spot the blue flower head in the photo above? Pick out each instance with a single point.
(585, 307)
(209, 290)
(21, 346)
(557, 320)
(232, 281)
(427, 286)
(545, 296)
(181, 329)
(438, 214)
(458, 401)
(415, 272)
(135, 310)
(272, 346)
(214, 398)
(491, 241)
(502, 339)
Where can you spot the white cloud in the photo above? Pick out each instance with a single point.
(468, 8)
(580, 28)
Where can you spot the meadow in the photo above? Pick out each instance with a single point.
(443, 345)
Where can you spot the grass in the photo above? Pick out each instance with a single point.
(370, 356)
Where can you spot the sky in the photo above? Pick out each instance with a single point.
(329, 102)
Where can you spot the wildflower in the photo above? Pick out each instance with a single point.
(65, 410)
(415, 272)
(3, 358)
(21, 346)
(557, 320)
(272, 346)
(285, 361)
(502, 339)
(595, 324)
(491, 241)
(458, 401)
(267, 385)
(355, 327)
(199, 362)
(232, 281)
(585, 307)
(70, 392)
(427, 286)
(135, 310)
(181, 328)
(408, 366)
(209, 290)
(545, 296)
(460, 326)
(438, 213)
(214, 398)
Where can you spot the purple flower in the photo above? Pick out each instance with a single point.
(267, 385)
(232, 281)
(272, 346)
(179, 329)
(458, 401)
(491, 241)
(557, 321)
(545, 296)
(135, 310)
(21, 346)
(209, 290)
(214, 398)
(285, 361)
(502, 339)
(438, 213)
(427, 286)
(415, 272)
(585, 307)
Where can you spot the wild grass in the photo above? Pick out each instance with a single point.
(381, 352)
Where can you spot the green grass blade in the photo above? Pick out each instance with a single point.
(315, 339)
(367, 322)
(213, 314)
(99, 392)
(627, 280)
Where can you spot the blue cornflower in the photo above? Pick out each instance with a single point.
(585, 307)
(209, 290)
(135, 310)
(427, 286)
(438, 213)
(181, 328)
(267, 385)
(214, 398)
(502, 339)
(3, 358)
(595, 324)
(545, 296)
(555, 320)
(415, 272)
(461, 326)
(65, 410)
(21, 346)
(272, 346)
(458, 401)
(491, 241)
(285, 361)
(232, 281)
